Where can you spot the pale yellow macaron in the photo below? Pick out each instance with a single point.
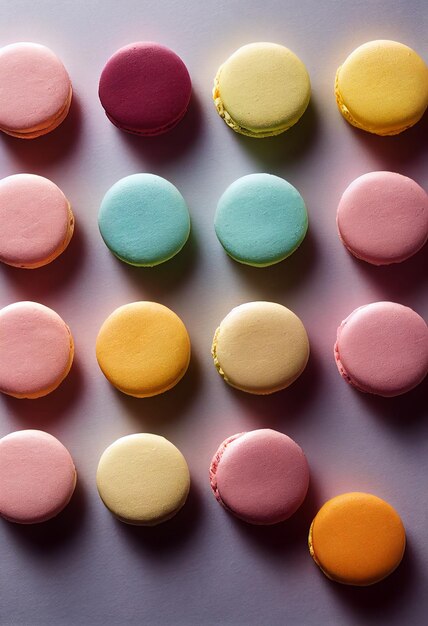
(143, 349)
(143, 479)
(260, 347)
(382, 87)
(262, 89)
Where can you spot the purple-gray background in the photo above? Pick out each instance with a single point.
(204, 567)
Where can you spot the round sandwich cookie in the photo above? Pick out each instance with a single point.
(260, 220)
(262, 90)
(260, 347)
(357, 539)
(145, 88)
(382, 218)
(382, 348)
(144, 220)
(37, 477)
(382, 87)
(143, 479)
(35, 90)
(261, 476)
(143, 349)
(36, 350)
(36, 221)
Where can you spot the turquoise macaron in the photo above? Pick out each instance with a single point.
(260, 220)
(144, 220)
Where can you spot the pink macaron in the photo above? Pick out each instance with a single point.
(36, 221)
(145, 88)
(382, 217)
(261, 476)
(382, 348)
(35, 90)
(37, 477)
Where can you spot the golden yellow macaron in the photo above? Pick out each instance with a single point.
(262, 89)
(143, 349)
(357, 539)
(143, 479)
(382, 87)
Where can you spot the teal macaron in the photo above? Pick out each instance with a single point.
(144, 220)
(260, 220)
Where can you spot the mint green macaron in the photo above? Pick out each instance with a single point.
(260, 220)
(144, 220)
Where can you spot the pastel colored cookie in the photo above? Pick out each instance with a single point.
(261, 476)
(36, 350)
(261, 90)
(382, 218)
(144, 220)
(37, 477)
(261, 219)
(143, 349)
(382, 348)
(357, 539)
(143, 479)
(35, 90)
(382, 87)
(36, 221)
(260, 347)
(145, 88)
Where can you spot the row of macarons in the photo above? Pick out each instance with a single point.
(261, 90)
(261, 477)
(143, 348)
(260, 220)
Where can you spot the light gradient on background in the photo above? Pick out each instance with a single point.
(204, 567)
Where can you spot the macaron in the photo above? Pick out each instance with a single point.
(261, 476)
(35, 90)
(357, 539)
(262, 89)
(382, 218)
(143, 349)
(260, 220)
(382, 348)
(36, 350)
(260, 347)
(144, 220)
(37, 477)
(143, 479)
(145, 88)
(36, 221)
(382, 87)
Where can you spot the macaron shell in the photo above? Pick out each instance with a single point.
(144, 220)
(260, 219)
(382, 348)
(36, 350)
(260, 347)
(37, 477)
(262, 89)
(382, 87)
(145, 88)
(261, 476)
(382, 217)
(357, 539)
(36, 221)
(143, 479)
(143, 349)
(35, 90)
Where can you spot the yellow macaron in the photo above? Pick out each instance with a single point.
(262, 89)
(382, 87)
(143, 349)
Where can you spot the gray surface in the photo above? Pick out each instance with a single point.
(205, 568)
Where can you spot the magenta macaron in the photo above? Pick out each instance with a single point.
(261, 476)
(145, 88)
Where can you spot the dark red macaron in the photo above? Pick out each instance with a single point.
(145, 88)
